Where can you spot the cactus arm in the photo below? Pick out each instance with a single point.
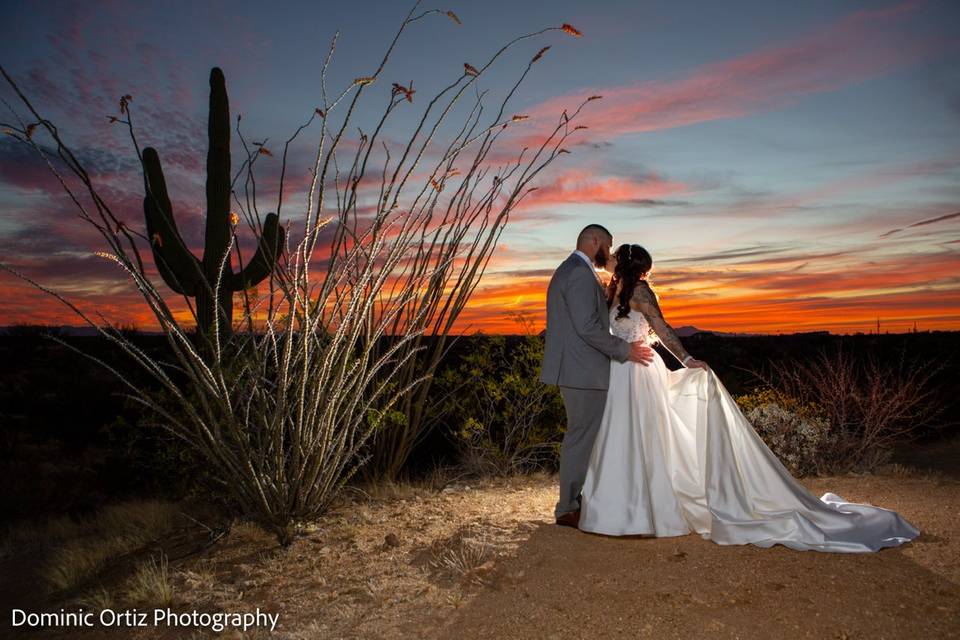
(265, 259)
(218, 178)
(180, 269)
(177, 266)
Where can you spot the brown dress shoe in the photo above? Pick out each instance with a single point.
(569, 519)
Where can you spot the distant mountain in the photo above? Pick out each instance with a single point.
(689, 330)
(62, 330)
(81, 331)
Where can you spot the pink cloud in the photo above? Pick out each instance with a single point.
(855, 48)
(578, 185)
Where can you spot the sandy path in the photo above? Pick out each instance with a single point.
(562, 583)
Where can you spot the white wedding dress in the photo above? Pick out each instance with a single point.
(675, 455)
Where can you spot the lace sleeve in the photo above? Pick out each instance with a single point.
(646, 302)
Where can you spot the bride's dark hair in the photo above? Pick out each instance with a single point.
(633, 265)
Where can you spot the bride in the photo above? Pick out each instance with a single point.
(675, 455)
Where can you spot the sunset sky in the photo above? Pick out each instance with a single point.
(791, 166)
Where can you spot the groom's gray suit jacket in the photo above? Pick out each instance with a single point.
(579, 344)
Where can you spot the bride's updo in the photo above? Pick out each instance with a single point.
(633, 265)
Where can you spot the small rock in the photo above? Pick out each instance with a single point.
(392, 540)
(486, 567)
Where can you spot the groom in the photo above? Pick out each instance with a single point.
(577, 356)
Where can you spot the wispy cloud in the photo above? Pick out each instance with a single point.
(922, 223)
(852, 49)
(730, 254)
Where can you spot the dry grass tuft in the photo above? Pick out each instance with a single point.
(387, 490)
(139, 519)
(905, 472)
(200, 579)
(898, 470)
(87, 546)
(151, 584)
(467, 559)
(97, 599)
(73, 563)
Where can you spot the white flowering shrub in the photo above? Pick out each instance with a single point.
(799, 435)
(798, 442)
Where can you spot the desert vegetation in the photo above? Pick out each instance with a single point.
(322, 372)
(312, 419)
(429, 544)
(837, 412)
(499, 417)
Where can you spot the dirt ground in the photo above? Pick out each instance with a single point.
(576, 585)
(485, 561)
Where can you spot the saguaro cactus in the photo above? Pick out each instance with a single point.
(180, 269)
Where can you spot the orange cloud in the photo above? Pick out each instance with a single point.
(752, 297)
(755, 296)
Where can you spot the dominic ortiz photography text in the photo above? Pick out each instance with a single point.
(216, 622)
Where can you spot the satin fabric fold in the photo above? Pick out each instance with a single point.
(675, 455)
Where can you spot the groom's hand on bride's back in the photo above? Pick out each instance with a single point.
(639, 352)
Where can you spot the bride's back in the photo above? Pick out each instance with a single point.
(631, 328)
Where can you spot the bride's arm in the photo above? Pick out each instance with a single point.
(645, 302)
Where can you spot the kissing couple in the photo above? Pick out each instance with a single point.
(649, 451)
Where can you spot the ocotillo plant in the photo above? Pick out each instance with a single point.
(284, 422)
(210, 280)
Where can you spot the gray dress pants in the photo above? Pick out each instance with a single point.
(584, 413)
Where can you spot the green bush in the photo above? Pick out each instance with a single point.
(501, 417)
(146, 458)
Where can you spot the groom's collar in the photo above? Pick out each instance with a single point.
(584, 257)
(589, 262)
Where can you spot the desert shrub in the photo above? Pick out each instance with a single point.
(501, 417)
(846, 413)
(798, 435)
(144, 457)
